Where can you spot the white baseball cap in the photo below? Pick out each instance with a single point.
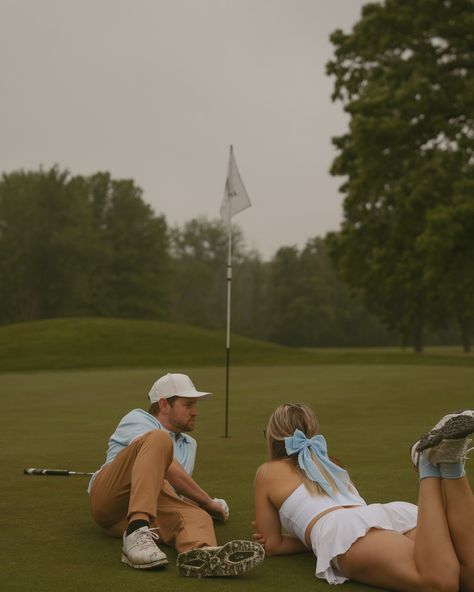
(174, 385)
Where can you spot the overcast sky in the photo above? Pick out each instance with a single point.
(157, 90)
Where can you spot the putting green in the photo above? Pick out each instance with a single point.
(370, 415)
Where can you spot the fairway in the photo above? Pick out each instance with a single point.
(370, 414)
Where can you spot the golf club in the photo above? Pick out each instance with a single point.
(54, 472)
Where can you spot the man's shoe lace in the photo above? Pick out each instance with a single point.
(146, 538)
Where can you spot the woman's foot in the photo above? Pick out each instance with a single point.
(447, 442)
(423, 465)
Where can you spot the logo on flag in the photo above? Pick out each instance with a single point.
(235, 197)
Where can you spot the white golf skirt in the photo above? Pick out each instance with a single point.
(335, 532)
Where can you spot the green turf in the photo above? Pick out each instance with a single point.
(104, 342)
(370, 414)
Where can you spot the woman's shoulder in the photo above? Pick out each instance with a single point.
(273, 469)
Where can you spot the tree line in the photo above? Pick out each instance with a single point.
(91, 246)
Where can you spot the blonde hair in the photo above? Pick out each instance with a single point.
(282, 423)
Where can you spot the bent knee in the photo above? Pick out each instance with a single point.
(160, 438)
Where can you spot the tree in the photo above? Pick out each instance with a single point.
(78, 246)
(250, 293)
(404, 75)
(131, 273)
(45, 243)
(199, 254)
(310, 306)
(448, 248)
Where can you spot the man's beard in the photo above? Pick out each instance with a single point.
(185, 427)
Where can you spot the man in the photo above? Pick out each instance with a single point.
(145, 485)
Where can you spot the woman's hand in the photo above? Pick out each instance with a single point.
(258, 537)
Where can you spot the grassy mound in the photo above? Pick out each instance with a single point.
(107, 343)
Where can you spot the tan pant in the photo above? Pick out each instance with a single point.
(134, 483)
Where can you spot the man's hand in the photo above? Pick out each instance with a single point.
(217, 508)
(223, 503)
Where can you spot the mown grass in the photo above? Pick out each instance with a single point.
(370, 415)
(108, 343)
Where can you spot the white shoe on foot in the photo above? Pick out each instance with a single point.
(140, 549)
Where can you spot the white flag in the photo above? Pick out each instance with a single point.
(235, 195)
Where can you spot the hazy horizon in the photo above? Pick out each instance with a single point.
(158, 90)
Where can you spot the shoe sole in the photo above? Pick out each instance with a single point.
(455, 428)
(232, 559)
(446, 418)
(157, 563)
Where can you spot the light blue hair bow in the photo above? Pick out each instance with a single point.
(301, 445)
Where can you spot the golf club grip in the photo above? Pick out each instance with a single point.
(58, 472)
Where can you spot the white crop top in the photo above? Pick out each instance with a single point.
(301, 507)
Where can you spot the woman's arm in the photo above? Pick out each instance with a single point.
(267, 522)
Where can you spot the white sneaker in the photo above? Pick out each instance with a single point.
(140, 550)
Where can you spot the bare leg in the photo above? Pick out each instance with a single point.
(395, 562)
(441, 556)
(460, 514)
(433, 546)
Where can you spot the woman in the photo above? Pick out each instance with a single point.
(397, 546)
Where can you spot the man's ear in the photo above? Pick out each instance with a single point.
(163, 405)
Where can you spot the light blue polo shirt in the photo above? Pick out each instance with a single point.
(139, 422)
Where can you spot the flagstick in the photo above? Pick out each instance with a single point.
(229, 289)
(234, 201)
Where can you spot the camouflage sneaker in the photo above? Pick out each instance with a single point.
(232, 559)
(447, 441)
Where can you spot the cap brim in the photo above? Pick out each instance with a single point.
(194, 395)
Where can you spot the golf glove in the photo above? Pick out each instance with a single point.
(223, 503)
